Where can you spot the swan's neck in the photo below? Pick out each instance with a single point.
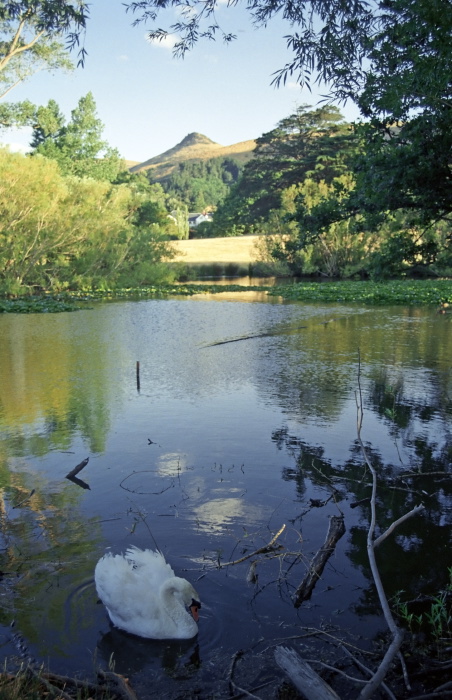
(172, 596)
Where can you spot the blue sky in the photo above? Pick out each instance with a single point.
(148, 101)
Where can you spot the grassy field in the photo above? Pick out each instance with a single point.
(240, 250)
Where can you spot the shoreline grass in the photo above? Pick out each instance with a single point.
(396, 292)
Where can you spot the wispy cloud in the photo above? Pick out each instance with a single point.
(166, 42)
(210, 58)
(123, 58)
(292, 85)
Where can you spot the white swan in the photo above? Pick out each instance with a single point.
(144, 597)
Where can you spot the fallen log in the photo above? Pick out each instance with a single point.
(304, 678)
(335, 532)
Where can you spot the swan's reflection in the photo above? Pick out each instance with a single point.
(179, 659)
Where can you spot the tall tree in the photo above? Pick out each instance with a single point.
(392, 57)
(49, 123)
(35, 35)
(77, 147)
(315, 143)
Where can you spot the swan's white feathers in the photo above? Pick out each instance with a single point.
(143, 596)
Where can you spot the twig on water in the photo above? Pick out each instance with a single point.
(233, 687)
(79, 482)
(143, 519)
(392, 527)
(247, 337)
(144, 493)
(262, 550)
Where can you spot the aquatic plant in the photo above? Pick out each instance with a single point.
(398, 292)
(435, 620)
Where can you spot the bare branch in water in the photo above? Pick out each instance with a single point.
(266, 549)
(397, 634)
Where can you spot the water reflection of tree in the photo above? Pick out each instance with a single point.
(415, 558)
(431, 408)
(309, 460)
(56, 382)
(86, 415)
(320, 360)
(47, 550)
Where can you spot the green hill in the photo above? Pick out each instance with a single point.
(194, 147)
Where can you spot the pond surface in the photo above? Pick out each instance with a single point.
(216, 447)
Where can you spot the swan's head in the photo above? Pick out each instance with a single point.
(182, 589)
(194, 607)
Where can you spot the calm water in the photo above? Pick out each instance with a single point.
(221, 445)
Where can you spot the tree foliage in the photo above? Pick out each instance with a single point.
(35, 35)
(31, 37)
(203, 183)
(58, 232)
(77, 147)
(348, 247)
(309, 143)
(17, 114)
(36, 28)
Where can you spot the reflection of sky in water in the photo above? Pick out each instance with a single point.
(173, 464)
(216, 515)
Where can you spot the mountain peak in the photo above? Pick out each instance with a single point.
(193, 147)
(195, 139)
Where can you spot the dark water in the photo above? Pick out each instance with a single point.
(221, 445)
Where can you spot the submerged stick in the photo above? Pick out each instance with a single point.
(249, 337)
(24, 500)
(335, 531)
(77, 469)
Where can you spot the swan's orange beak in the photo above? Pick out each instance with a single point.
(194, 607)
